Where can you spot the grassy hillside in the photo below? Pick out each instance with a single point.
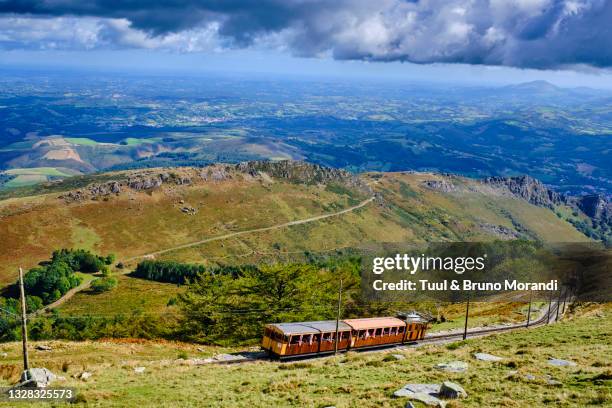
(136, 222)
(354, 379)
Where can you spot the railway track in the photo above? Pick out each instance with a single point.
(549, 316)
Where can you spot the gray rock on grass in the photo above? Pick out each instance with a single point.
(452, 390)
(561, 363)
(410, 389)
(487, 357)
(428, 400)
(453, 366)
(425, 393)
(36, 378)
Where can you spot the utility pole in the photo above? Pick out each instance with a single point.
(564, 299)
(338, 316)
(529, 311)
(467, 312)
(558, 303)
(549, 306)
(24, 329)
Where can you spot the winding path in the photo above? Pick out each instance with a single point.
(238, 233)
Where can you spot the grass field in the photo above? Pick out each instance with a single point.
(348, 380)
(132, 141)
(32, 176)
(43, 171)
(132, 295)
(83, 141)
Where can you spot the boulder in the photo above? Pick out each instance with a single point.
(452, 390)
(411, 389)
(561, 363)
(85, 375)
(487, 357)
(139, 370)
(37, 378)
(453, 366)
(43, 347)
(428, 400)
(3, 355)
(395, 357)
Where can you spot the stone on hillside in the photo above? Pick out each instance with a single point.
(85, 375)
(553, 382)
(139, 370)
(411, 389)
(43, 347)
(453, 366)
(409, 405)
(396, 356)
(37, 377)
(3, 355)
(529, 377)
(428, 400)
(452, 390)
(561, 363)
(487, 357)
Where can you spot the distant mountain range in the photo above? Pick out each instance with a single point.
(58, 127)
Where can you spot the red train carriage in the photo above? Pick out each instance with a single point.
(309, 338)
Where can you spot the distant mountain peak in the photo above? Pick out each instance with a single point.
(535, 86)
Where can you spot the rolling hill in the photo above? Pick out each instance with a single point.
(135, 213)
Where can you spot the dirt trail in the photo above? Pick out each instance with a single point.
(238, 233)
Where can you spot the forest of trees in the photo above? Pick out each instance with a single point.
(168, 271)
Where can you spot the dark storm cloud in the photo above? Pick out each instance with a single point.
(521, 33)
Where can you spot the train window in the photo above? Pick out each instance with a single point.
(316, 338)
(377, 332)
(385, 331)
(401, 330)
(296, 339)
(362, 334)
(328, 336)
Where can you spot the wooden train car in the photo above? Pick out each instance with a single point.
(309, 338)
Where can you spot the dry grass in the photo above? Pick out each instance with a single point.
(348, 380)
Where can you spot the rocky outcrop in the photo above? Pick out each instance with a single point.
(499, 231)
(216, 173)
(527, 188)
(596, 206)
(297, 171)
(290, 171)
(440, 185)
(302, 172)
(137, 181)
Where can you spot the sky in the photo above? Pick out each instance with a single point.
(566, 42)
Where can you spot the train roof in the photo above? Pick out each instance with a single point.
(325, 326)
(374, 322)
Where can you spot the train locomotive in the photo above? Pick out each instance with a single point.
(285, 340)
